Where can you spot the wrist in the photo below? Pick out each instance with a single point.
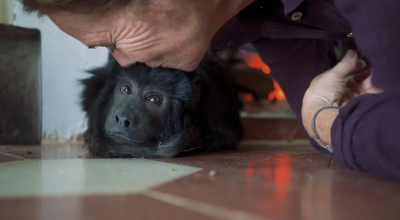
(323, 124)
(308, 113)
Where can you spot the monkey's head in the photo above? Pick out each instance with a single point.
(139, 111)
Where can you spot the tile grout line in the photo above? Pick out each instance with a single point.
(202, 208)
(330, 162)
(11, 155)
(16, 150)
(277, 142)
(291, 136)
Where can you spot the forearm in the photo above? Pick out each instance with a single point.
(366, 134)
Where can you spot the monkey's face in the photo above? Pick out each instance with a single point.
(136, 112)
(142, 112)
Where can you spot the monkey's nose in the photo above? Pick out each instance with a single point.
(121, 126)
(124, 121)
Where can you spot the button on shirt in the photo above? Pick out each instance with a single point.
(296, 16)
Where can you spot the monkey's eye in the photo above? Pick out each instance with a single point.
(155, 99)
(126, 89)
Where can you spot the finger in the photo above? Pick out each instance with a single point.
(357, 78)
(348, 95)
(360, 67)
(347, 65)
(345, 98)
(367, 87)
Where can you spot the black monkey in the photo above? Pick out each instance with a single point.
(140, 111)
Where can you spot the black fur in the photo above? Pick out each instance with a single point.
(201, 110)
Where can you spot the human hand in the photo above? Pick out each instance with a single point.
(335, 87)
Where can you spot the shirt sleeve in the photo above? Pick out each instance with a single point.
(366, 134)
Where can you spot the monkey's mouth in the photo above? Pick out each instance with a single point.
(124, 146)
(121, 138)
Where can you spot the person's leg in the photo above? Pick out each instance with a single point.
(294, 63)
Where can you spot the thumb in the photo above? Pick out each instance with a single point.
(347, 65)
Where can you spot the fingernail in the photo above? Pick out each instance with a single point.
(350, 54)
(362, 62)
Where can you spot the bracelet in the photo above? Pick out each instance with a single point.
(314, 133)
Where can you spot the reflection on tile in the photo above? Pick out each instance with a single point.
(203, 208)
(5, 157)
(117, 207)
(295, 146)
(5, 148)
(261, 180)
(83, 177)
(282, 185)
(52, 151)
(255, 157)
(282, 193)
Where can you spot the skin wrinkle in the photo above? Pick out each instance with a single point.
(141, 45)
(144, 42)
(124, 32)
(155, 32)
(116, 35)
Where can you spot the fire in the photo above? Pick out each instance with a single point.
(253, 60)
(278, 93)
(248, 97)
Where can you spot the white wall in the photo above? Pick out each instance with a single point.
(64, 61)
(6, 15)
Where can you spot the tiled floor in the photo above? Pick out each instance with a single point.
(259, 181)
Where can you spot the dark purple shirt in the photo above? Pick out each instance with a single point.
(294, 37)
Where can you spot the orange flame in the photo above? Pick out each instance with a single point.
(253, 60)
(278, 93)
(248, 97)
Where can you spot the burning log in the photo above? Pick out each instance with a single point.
(253, 81)
(253, 60)
(259, 91)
